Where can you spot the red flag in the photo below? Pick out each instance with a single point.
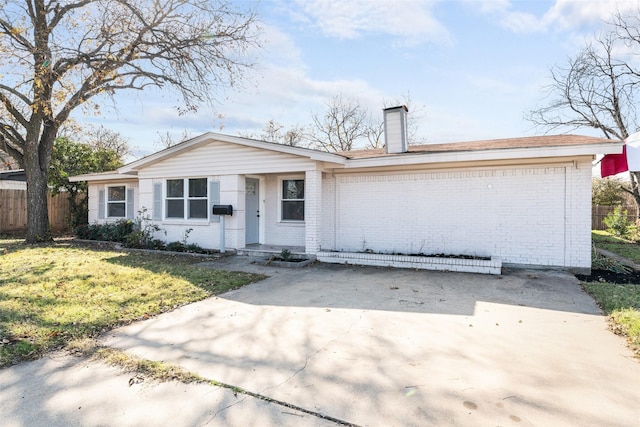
(612, 164)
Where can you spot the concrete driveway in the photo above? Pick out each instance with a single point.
(375, 346)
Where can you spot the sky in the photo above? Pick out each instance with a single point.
(472, 68)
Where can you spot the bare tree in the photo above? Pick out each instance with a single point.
(61, 55)
(294, 136)
(375, 134)
(594, 90)
(346, 125)
(102, 138)
(341, 127)
(168, 139)
(597, 88)
(274, 132)
(271, 132)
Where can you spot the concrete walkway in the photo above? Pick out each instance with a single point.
(370, 346)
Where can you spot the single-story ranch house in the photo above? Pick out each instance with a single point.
(521, 201)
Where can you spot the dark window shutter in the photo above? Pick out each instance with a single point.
(101, 206)
(214, 199)
(130, 196)
(157, 201)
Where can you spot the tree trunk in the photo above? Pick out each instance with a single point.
(38, 229)
(635, 190)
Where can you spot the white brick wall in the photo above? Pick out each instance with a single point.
(524, 215)
(313, 210)
(578, 202)
(204, 234)
(530, 215)
(276, 231)
(328, 230)
(95, 188)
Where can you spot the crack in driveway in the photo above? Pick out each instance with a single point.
(306, 360)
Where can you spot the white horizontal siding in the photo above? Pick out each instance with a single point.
(218, 158)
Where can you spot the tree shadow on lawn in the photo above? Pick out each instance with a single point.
(57, 312)
(186, 268)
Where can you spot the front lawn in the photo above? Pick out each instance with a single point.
(51, 295)
(621, 302)
(611, 243)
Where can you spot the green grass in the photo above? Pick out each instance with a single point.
(611, 243)
(155, 371)
(620, 302)
(51, 295)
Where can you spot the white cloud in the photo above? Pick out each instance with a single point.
(567, 14)
(278, 46)
(282, 89)
(410, 21)
(561, 15)
(289, 96)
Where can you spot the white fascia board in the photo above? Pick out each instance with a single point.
(211, 136)
(110, 176)
(500, 154)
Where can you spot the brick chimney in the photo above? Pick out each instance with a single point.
(395, 129)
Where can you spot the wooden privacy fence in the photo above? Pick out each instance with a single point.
(598, 213)
(13, 211)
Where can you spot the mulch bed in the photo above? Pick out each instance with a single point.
(610, 277)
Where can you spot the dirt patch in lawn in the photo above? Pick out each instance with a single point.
(610, 277)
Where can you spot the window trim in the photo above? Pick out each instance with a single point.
(281, 198)
(108, 202)
(186, 199)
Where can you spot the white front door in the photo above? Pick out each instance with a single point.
(252, 212)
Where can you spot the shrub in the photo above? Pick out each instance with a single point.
(136, 234)
(194, 248)
(142, 232)
(285, 254)
(112, 232)
(601, 262)
(617, 222)
(176, 247)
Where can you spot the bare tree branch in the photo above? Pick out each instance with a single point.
(57, 56)
(597, 88)
(342, 126)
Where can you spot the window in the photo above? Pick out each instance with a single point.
(293, 200)
(197, 203)
(193, 201)
(116, 202)
(175, 198)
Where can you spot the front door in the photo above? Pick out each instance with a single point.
(252, 212)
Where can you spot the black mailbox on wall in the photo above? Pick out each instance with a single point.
(222, 210)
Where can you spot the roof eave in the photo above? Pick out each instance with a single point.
(481, 155)
(110, 176)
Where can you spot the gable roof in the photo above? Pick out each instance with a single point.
(211, 137)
